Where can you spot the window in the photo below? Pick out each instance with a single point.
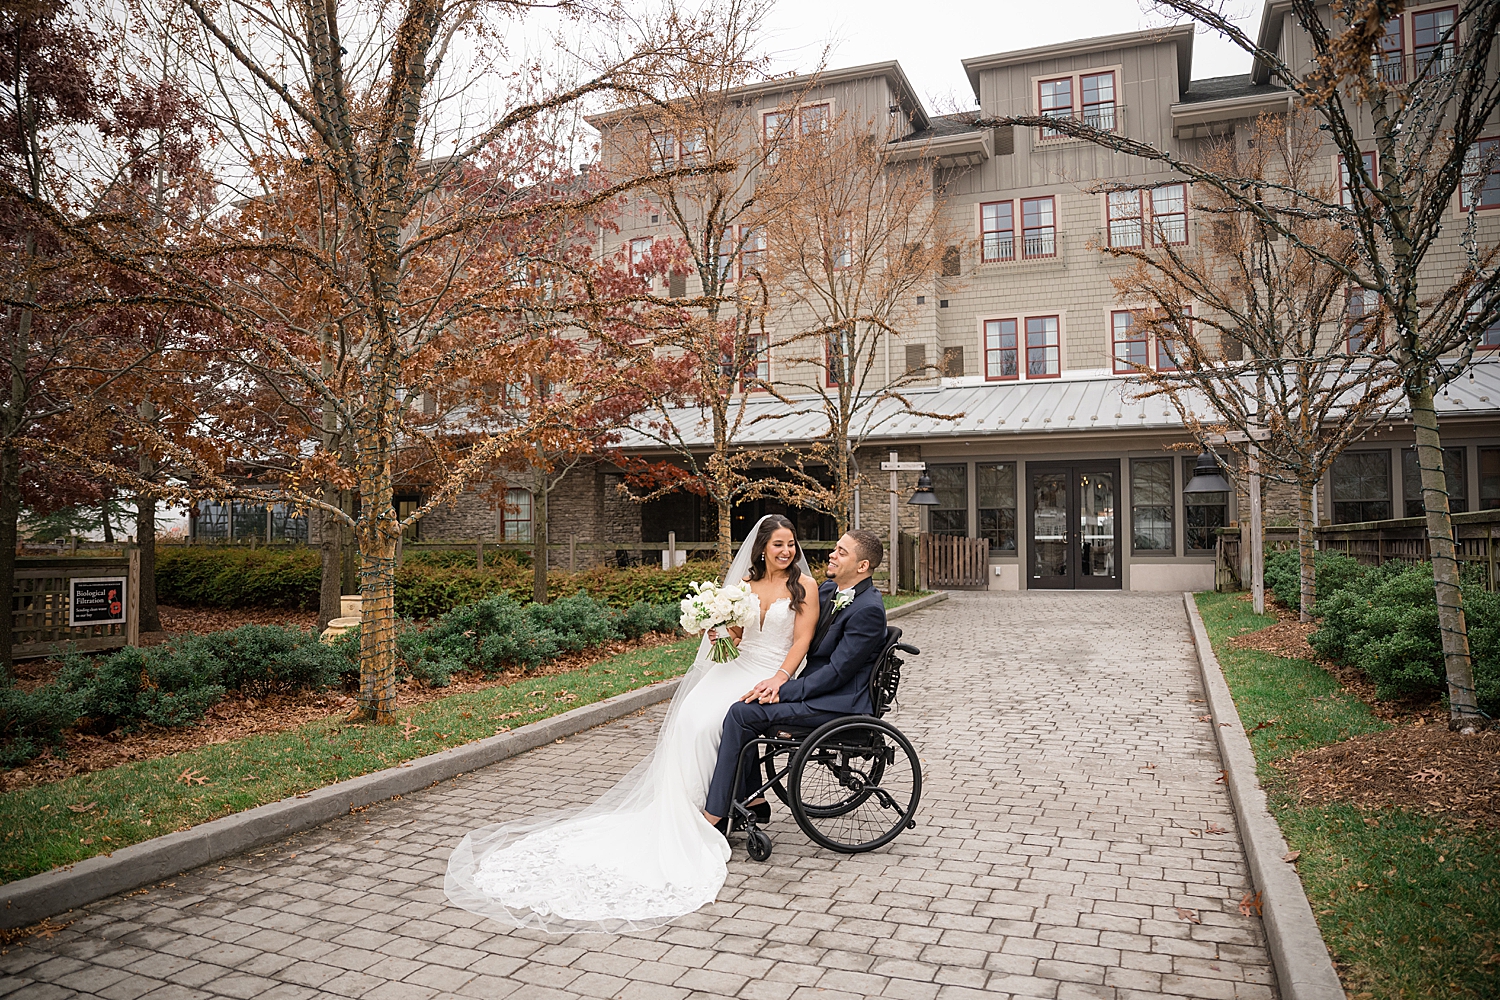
(1202, 513)
(406, 506)
(997, 224)
(1361, 486)
(1169, 343)
(1169, 213)
(754, 255)
(1124, 209)
(1042, 358)
(516, 519)
(726, 256)
(775, 126)
(1346, 195)
(640, 250)
(838, 354)
(1455, 473)
(1151, 505)
(1489, 340)
(1098, 91)
(995, 484)
(1388, 58)
(842, 253)
(1481, 183)
(692, 151)
(814, 119)
(1362, 320)
(1433, 40)
(1055, 100)
(1489, 478)
(1000, 349)
(663, 151)
(950, 515)
(1038, 227)
(1132, 344)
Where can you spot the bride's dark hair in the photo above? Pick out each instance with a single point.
(768, 527)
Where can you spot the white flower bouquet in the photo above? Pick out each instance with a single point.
(713, 606)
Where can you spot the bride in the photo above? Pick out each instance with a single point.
(643, 853)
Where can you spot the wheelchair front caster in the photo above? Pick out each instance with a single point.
(758, 845)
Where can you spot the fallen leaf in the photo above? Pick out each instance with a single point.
(82, 808)
(1205, 718)
(1250, 904)
(408, 728)
(1264, 724)
(1428, 775)
(1223, 777)
(1290, 857)
(1147, 767)
(1214, 828)
(192, 777)
(1191, 916)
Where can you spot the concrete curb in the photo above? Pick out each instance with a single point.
(28, 900)
(1303, 969)
(917, 605)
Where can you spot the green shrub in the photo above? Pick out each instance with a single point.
(228, 576)
(1332, 571)
(258, 660)
(1386, 624)
(31, 722)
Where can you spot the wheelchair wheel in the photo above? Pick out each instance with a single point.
(854, 785)
(758, 846)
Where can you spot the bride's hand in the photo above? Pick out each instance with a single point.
(733, 633)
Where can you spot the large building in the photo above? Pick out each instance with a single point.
(1074, 481)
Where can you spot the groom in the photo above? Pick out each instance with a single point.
(834, 683)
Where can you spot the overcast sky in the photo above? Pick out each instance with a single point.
(931, 39)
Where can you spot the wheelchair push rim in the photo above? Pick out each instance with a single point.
(854, 784)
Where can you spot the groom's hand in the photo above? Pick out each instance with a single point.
(767, 692)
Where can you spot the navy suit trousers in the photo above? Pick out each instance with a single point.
(743, 723)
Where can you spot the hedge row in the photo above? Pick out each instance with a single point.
(1383, 620)
(428, 583)
(174, 684)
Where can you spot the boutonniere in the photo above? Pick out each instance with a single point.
(842, 600)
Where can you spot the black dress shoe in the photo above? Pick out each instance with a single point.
(723, 827)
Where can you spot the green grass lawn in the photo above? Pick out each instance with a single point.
(1409, 905)
(67, 821)
(903, 597)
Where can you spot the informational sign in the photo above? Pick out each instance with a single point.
(96, 600)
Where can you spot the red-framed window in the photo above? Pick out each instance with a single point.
(692, 151)
(997, 225)
(753, 254)
(1097, 91)
(663, 151)
(1390, 57)
(1361, 316)
(1132, 344)
(1346, 196)
(727, 270)
(1039, 227)
(841, 254)
(1169, 213)
(1125, 216)
(1001, 352)
(775, 128)
(1055, 100)
(1483, 158)
(838, 357)
(755, 362)
(1168, 350)
(1043, 350)
(1489, 340)
(814, 119)
(1434, 40)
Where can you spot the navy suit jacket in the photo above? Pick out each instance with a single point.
(836, 677)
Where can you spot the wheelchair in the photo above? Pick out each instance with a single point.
(852, 784)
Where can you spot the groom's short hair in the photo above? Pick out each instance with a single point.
(867, 545)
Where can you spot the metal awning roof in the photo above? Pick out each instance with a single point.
(1090, 402)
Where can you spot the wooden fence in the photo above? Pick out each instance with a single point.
(952, 562)
(39, 605)
(1476, 536)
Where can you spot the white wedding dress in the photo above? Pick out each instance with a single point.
(642, 854)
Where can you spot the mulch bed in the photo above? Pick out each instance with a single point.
(1286, 638)
(1423, 768)
(235, 717)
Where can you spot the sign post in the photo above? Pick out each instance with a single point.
(894, 466)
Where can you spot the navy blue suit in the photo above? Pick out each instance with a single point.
(834, 683)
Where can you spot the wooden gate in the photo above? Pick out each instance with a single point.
(951, 562)
(39, 605)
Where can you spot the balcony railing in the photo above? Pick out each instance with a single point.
(1042, 244)
(1104, 117)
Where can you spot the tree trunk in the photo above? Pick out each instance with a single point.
(145, 531)
(105, 508)
(10, 513)
(1463, 711)
(1305, 550)
(377, 632)
(539, 539)
(331, 579)
(726, 538)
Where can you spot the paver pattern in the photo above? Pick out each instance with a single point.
(1064, 851)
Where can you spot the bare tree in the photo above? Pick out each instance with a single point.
(1426, 107)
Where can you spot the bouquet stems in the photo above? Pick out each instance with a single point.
(723, 649)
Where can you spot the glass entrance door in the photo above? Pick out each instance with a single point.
(1074, 526)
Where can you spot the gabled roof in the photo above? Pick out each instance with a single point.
(1181, 35)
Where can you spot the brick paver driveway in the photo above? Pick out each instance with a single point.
(1070, 794)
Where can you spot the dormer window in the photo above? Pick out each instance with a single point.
(1098, 92)
(1089, 97)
